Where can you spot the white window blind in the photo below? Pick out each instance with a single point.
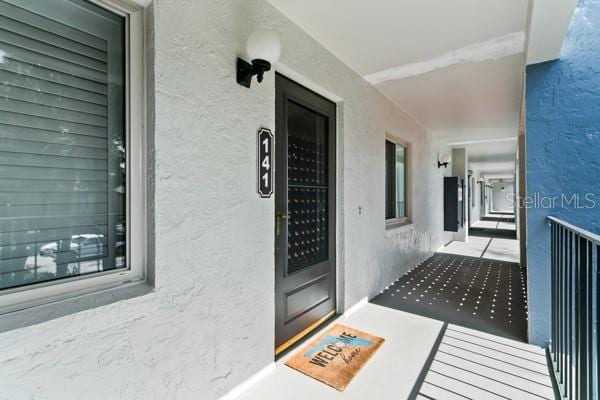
(62, 140)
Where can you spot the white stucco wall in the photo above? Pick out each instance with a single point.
(477, 208)
(209, 325)
(460, 157)
(502, 199)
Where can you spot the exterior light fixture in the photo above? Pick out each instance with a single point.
(444, 160)
(263, 48)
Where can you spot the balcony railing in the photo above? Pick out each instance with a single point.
(575, 310)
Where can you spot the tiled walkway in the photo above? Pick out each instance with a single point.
(424, 359)
(494, 226)
(477, 283)
(479, 293)
(493, 237)
(485, 247)
(454, 328)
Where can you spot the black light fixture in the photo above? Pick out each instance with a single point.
(263, 48)
(444, 160)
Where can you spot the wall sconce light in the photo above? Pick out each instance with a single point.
(444, 160)
(263, 48)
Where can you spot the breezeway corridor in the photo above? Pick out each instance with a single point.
(310, 200)
(423, 358)
(455, 328)
(494, 237)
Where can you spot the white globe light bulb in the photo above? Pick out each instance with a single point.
(446, 158)
(263, 44)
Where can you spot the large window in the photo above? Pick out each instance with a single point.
(65, 132)
(395, 182)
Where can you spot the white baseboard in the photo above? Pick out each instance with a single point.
(248, 383)
(356, 307)
(440, 249)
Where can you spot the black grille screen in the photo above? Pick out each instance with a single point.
(307, 188)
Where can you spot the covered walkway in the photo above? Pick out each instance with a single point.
(485, 294)
(422, 358)
(455, 328)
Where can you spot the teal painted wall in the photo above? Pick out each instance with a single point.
(563, 152)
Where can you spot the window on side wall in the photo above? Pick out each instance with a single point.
(396, 204)
(71, 195)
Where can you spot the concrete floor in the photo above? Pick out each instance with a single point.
(389, 374)
(494, 225)
(422, 358)
(476, 365)
(503, 249)
(485, 247)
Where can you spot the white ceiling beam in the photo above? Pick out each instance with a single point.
(494, 49)
(549, 24)
(468, 142)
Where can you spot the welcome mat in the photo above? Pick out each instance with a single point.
(335, 357)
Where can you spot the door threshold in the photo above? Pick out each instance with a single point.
(304, 334)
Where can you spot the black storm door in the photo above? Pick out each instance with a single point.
(305, 245)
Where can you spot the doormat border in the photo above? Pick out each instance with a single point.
(354, 338)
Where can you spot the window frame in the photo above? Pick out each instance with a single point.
(21, 298)
(396, 221)
(481, 194)
(472, 191)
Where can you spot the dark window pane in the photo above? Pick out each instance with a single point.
(400, 181)
(307, 146)
(395, 180)
(62, 143)
(307, 188)
(390, 174)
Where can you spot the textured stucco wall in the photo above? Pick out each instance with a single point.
(460, 160)
(502, 200)
(209, 325)
(563, 143)
(476, 209)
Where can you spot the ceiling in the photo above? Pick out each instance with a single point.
(550, 20)
(495, 159)
(371, 36)
(455, 66)
(470, 101)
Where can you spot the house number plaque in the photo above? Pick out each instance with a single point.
(265, 163)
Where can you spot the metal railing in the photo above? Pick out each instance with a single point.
(575, 310)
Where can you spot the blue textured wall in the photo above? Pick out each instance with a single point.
(563, 151)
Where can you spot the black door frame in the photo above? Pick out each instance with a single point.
(287, 89)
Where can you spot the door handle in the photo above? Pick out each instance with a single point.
(281, 216)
